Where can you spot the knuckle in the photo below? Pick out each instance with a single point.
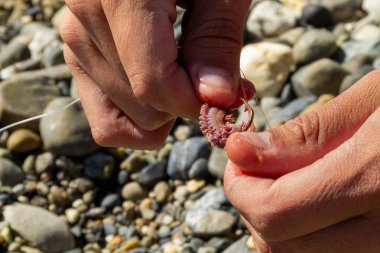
(221, 33)
(102, 136)
(306, 129)
(141, 84)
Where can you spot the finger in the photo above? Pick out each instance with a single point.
(96, 66)
(344, 184)
(148, 52)
(109, 125)
(91, 15)
(210, 46)
(357, 235)
(310, 136)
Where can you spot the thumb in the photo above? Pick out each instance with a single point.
(210, 48)
(310, 136)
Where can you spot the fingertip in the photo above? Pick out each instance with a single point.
(246, 150)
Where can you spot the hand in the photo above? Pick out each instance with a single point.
(125, 61)
(313, 184)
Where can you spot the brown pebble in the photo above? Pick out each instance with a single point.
(23, 140)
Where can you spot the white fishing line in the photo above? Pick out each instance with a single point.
(40, 116)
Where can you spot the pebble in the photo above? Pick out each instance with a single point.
(291, 110)
(240, 246)
(199, 169)
(357, 62)
(366, 32)
(352, 78)
(47, 232)
(195, 185)
(269, 19)
(10, 173)
(99, 166)
(268, 75)
(16, 50)
(213, 199)
(44, 162)
(342, 10)
(292, 36)
(110, 201)
(314, 44)
(67, 132)
(35, 94)
(133, 191)
(72, 215)
(152, 174)
(354, 48)
(161, 191)
(134, 163)
(317, 16)
(371, 6)
(213, 223)
(23, 140)
(319, 77)
(217, 163)
(58, 196)
(41, 39)
(183, 155)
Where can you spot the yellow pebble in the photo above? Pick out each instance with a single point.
(134, 243)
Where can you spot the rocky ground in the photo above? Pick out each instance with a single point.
(60, 192)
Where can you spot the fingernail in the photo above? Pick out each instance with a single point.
(214, 78)
(214, 85)
(260, 140)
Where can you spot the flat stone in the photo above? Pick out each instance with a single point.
(314, 44)
(23, 140)
(213, 223)
(41, 228)
(99, 166)
(35, 94)
(270, 19)
(67, 132)
(212, 200)
(10, 173)
(320, 77)
(258, 65)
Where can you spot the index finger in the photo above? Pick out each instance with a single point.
(145, 42)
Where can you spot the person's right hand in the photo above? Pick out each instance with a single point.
(125, 61)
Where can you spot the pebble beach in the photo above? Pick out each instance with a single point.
(62, 193)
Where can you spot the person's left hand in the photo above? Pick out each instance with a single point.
(313, 184)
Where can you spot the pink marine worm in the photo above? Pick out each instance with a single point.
(218, 124)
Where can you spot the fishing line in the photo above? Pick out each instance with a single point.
(257, 101)
(40, 116)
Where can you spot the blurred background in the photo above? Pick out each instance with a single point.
(60, 192)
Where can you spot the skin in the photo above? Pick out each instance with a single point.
(311, 185)
(133, 80)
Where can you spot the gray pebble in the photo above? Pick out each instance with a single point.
(184, 154)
